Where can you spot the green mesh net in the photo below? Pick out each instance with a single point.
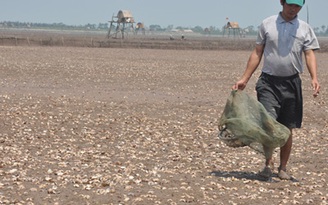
(245, 122)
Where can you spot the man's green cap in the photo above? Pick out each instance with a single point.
(297, 2)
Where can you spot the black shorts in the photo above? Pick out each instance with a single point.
(282, 98)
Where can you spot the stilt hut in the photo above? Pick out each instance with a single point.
(232, 28)
(122, 23)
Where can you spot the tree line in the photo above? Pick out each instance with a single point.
(250, 30)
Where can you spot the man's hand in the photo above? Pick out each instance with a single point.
(239, 85)
(316, 88)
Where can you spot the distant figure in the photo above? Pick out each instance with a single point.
(207, 31)
(171, 38)
(229, 25)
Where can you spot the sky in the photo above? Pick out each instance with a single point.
(185, 13)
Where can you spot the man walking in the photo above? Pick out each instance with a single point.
(282, 39)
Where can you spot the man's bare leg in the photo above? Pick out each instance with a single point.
(284, 157)
(267, 171)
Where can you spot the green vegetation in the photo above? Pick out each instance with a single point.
(212, 30)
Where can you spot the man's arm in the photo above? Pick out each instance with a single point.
(311, 63)
(252, 64)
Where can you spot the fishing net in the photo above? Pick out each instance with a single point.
(245, 122)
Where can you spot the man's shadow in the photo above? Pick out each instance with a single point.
(247, 175)
(242, 175)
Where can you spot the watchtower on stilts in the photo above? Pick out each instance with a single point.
(121, 24)
(232, 28)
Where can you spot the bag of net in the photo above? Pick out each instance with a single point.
(245, 122)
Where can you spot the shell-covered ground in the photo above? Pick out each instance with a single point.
(139, 126)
